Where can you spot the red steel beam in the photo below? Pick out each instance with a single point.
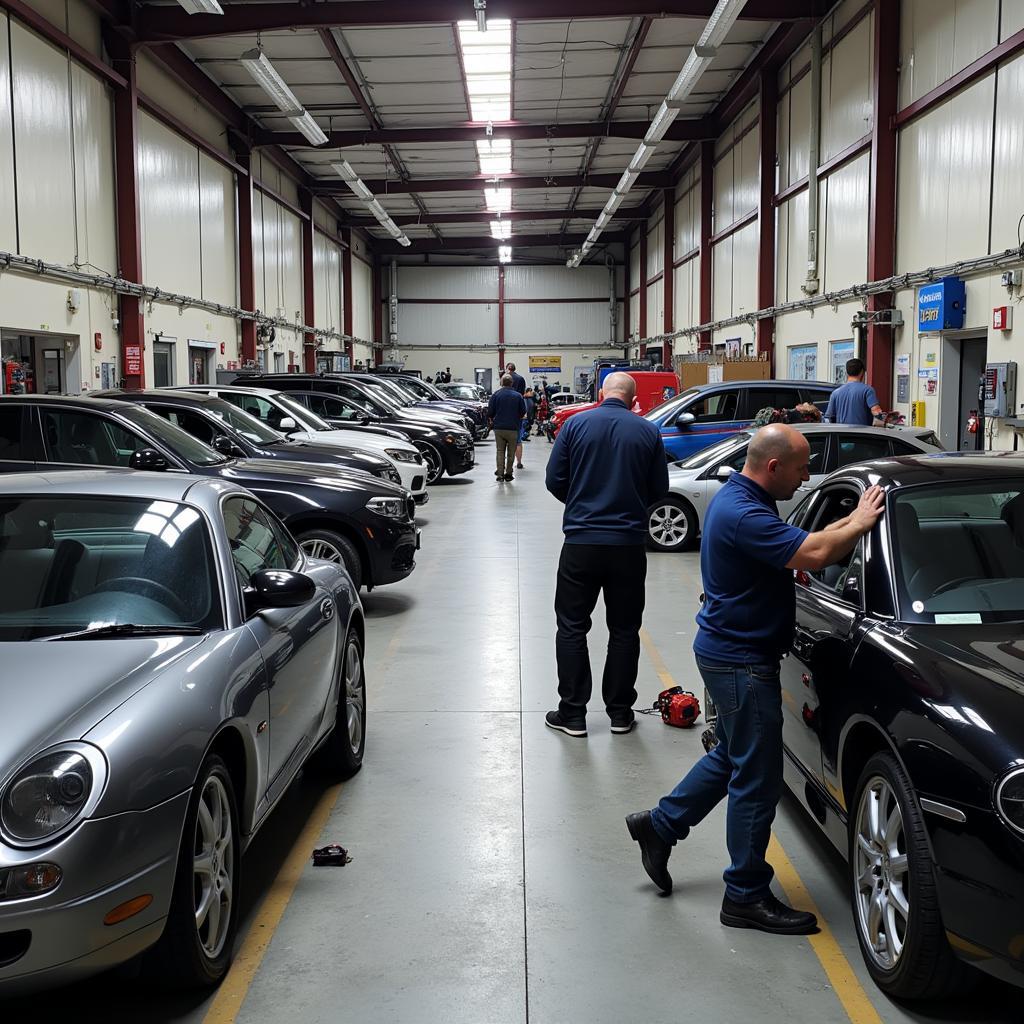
(129, 233)
(768, 116)
(346, 289)
(308, 279)
(169, 23)
(473, 131)
(246, 262)
(882, 206)
(668, 233)
(332, 48)
(378, 313)
(478, 182)
(387, 247)
(485, 217)
(501, 316)
(642, 298)
(707, 196)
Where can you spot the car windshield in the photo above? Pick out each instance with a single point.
(659, 412)
(183, 445)
(383, 396)
(303, 417)
(87, 562)
(959, 551)
(247, 425)
(420, 388)
(397, 389)
(714, 452)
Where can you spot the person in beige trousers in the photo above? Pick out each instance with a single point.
(506, 410)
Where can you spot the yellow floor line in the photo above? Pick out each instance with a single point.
(840, 974)
(231, 995)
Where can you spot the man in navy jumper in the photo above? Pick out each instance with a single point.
(745, 625)
(506, 411)
(607, 466)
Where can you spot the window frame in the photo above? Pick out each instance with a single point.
(277, 527)
(27, 442)
(818, 503)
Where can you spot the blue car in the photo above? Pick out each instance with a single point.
(705, 414)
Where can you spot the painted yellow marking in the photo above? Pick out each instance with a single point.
(231, 995)
(656, 660)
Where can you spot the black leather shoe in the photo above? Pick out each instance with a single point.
(768, 915)
(654, 851)
(554, 720)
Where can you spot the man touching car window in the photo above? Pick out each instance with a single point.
(745, 626)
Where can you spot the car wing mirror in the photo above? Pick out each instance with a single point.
(684, 419)
(277, 588)
(223, 444)
(724, 472)
(148, 459)
(851, 590)
(287, 424)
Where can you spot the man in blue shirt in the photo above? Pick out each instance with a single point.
(854, 402)
(747, 559)
(506, 410)
(518, 381)
(607, 466)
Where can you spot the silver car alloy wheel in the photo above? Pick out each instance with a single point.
(213, 867)
(433, 461)
(324, 550)
(355, 695)
(668, 525)
(882, 874)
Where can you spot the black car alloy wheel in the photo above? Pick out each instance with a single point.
(671, 525)
(895, 902)
(432, 459)
(332, 547)
(343, 750)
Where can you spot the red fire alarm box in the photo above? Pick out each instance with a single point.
(222, 348)
(1002, 318)
(97, 340)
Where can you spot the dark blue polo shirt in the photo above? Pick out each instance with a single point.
(607, 465)
(749, 609)
(507, 409)
(518, 382)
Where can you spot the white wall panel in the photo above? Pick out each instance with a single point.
(447, 283)
(846, 90)
(687, 220)
(1009, 154)
(362, 300)
(747, 171)
(291, 265)
(656, 307)
(844, 213)
(796, 255)
(8, 214)
(217, 230)
(724, 209)
(799, 130)
(523, 282)
(686, 294)
(327, 282)
(169, 208)
(1012, 18)
(634, 315)
(655, 249)
(475, 324)
(744, 270)
(945, 162)
(259, 264)
(95, 220)
(42, 139)
(721, 278)
(548, 325)
(272, 256)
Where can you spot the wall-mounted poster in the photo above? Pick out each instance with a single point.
(733, 347)
(545, 364)
(803, 362)
(840, 352)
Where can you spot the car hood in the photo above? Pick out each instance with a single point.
(303, 450)
(74, 685)
(350, 439)
(261, 472)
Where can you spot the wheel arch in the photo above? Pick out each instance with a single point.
(317, 521)
(238, 751)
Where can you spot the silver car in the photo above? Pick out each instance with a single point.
(675, 522)
(171, 659)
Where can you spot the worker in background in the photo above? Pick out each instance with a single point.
(605, 527)
(506, 410)
(854, 402)
(745, 625)
(518, 380)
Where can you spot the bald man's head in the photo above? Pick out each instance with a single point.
(778, 458)
(619, 385)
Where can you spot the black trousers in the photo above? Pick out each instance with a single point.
(584, 571)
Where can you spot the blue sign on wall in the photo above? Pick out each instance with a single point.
(941, 306)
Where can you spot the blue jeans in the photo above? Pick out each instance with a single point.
(745, 765)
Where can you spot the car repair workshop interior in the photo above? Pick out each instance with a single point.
(331, 334)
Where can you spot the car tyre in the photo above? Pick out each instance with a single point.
(671, 525)
(342, 751)
(333, 547)
(433, 462)
(893, 893)
(193, 953)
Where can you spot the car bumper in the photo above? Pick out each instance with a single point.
(393, 548)
(414, 477)
(421, 499)
(106, 862)
(458, 460)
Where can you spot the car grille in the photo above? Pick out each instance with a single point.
(463, 442)
(404, 556)
(410, 508)
(417, 483)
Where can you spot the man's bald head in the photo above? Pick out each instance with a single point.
(621, 386)
(778, 458)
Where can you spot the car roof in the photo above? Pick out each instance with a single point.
(818, 384)
(940, 467)
(116, 483)
(169, 394)
(90, 400)
(243, 389)
(851, 428)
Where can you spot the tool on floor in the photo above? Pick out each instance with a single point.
(331, 855)
(677, 706)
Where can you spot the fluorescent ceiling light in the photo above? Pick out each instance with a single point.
(641, 156)
(626, 181)
(501, 229)
(344, 170)
(661, 123)
(265, 75)
(305, 124)
(499, 200)
(202, 6)
(495, 156)
(505, 253)
(480, 6)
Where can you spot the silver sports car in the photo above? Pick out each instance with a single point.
(169, 659)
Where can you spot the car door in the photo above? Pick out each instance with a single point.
(828, 609)
(17, 448)
(299, 645)
(701, 421)
(73, 438)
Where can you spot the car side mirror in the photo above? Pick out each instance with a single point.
(223, 444)
(724, 472)
(364, 420)
(148, 459)
(851, 589)
(287, 424)
(684, 419)
(277, 588)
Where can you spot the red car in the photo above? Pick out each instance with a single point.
(652, 388)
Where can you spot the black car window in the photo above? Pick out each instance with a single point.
(335, 408)
(11, 444)
(836, 503)
(179, 442)
(817, 442)
(902, 448)
(256, 543)
(256, 406)
(773, 397)
(721, 406)
(87, 439)
(192, 423)
(819, 396)
(854, 448)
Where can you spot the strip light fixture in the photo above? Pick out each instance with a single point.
(717, 27)
(201, 6)
(504, 253)
(265, 75)
(345, 171)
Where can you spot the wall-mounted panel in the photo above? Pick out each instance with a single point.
(326, 283)
(656, 307)
(634, 266)
(687, 220)
(686, 295)
(558, 323)
(721, 279)
(799, 129)
(448, 283)
(744, 270)
(475, 324)
(796, 255)
(95, 220)
(724, 209)
(362, 300)
(846, 90)
(291, 266)
(1009, 154)
(217, 231)
(655, 249)
(259, 263)
(1011, 19)
(523, 282)
(748, 173)
(845, 218)
(8, 214)
(42, 140)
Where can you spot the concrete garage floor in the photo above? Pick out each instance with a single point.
(493, 880)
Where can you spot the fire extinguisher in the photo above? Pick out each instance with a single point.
(972, 422)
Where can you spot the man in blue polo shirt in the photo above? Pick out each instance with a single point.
(506, 410)
(746, 624)
(854, 402)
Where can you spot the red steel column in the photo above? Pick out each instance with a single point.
(642, 297)
(308, 280)
(501, 317)
(246, 263)
(707, 195)
(768, 114)
(668, 231)
(378, 313)
(346, 288)
(882, 212)
(129, 235)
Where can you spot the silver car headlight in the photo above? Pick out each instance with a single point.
(1010, 799)
(46, 796)
(401, 456)
(393, 508)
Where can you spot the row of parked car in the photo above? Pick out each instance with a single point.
(181, 632)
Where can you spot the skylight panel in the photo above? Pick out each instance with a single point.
(501, 229)
(495, 156)
(499, 200)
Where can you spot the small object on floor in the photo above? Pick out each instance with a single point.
(677, 707)
(654, 851)
(331, 855)
(554, 720)
(768, 915)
